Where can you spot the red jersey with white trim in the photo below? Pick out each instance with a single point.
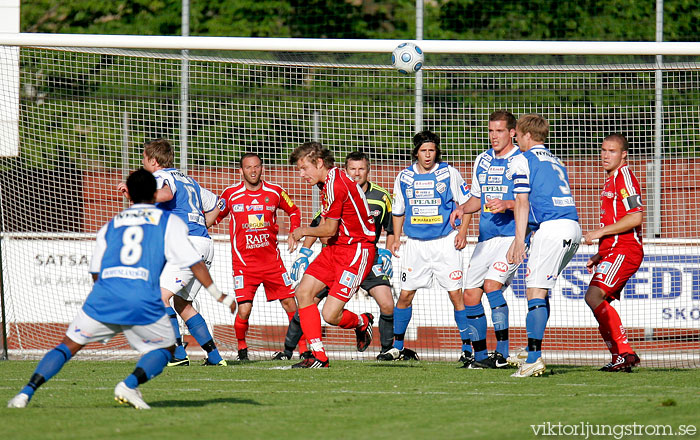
(342, 199)
(621, 195)
(253, 222)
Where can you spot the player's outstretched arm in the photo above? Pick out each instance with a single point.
(200, 271)
(626, 223)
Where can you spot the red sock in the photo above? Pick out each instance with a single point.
(241, 328)
(302, 339)
(349, 320)
(311, 326)
(605, 313)
(607, 338)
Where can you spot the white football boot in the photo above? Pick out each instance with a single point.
(125, 395)
(534, 369)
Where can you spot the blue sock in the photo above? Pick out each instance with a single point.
(477, 326)
(401, 319)
(198, 329)
(180, 352)
(48, 366)
(535, 322)
(499, 315)
(463, 327)
(549, 312)
(149, 366)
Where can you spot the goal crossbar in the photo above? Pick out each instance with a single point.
(351, 45)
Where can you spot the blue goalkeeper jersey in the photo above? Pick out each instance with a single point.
(129, 256)
(542, 175)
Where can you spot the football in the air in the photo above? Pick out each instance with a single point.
(407, 58)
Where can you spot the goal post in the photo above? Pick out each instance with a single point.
(88, 103)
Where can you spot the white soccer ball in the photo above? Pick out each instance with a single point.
(407, 58)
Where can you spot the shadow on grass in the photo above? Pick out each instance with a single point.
(204, 402)
(396, 364)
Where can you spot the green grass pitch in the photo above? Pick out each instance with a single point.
(351, 400)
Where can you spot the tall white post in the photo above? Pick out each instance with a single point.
(419, 75)
(654, 219)
(315, 192)
(125, 151)
(184, 89)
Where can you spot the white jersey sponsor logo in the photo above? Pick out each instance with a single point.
(494, 189)
(495, 180)
(425, 210)
(425, 202)
(424, 193)
(132, 273)
(563, 201)
(423, 184)
(132, 217)
(256, 241)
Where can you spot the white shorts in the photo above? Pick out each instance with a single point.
(181, 281)
(426, 260)
(551, 248)
(143, 338)
(489, 262)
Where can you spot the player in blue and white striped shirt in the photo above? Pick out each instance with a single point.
(489, 272)
(545, 206)
(425, 194)
(129, 255)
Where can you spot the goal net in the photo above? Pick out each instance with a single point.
(80, 117)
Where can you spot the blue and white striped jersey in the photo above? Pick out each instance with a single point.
(493, 179)
(129, 256)
(190, 201)
(542, 175)
(428, 199)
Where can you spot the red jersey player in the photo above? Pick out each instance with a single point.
(620, 251)
(252, 205)
(344, 262)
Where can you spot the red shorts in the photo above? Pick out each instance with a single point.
(342, 267)
(614, 270)
(274, 278)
